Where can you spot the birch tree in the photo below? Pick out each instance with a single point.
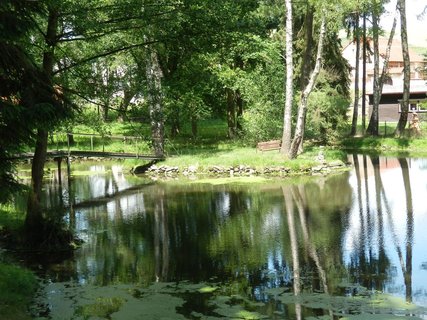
(373, 122)
(302, 108)
(353, 23)
(287, 118)
(379, 79)
(154, 98)
(403, 119)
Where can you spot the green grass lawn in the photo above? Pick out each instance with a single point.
(17, 284)
(387, 142)
(231, 155)
(212, 147)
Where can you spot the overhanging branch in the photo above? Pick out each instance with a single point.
(101, 55)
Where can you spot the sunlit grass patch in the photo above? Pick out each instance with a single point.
(10, 218)
(17, 286)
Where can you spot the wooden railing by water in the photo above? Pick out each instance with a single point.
(53, 154)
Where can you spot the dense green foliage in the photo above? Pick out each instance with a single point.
(221, 60)
(28, 100)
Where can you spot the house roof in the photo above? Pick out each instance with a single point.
(396, 70)
(396, 51)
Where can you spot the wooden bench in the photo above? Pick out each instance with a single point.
(268, 145)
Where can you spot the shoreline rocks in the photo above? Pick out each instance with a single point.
(158, 171)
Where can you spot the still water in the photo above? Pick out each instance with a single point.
(346, 246)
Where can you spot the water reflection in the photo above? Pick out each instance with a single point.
(388, 254)
(338, 236)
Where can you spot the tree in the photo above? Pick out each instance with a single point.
(353, 23)
(287, 118)
(373, 122)
(403, 119)
(34, 221)
(379, 81)
(302, 108)
(25, 101)
(155, 100)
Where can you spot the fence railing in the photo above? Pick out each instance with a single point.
(67, 138)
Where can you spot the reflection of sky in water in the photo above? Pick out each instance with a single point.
(187, 233)
(262, 234)
(101, 182)
(394, 217)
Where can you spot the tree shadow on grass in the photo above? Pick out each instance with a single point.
(403, 142)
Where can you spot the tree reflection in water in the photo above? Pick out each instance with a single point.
(328, 236)
(382, 267)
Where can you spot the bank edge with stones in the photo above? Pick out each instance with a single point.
(159, 171)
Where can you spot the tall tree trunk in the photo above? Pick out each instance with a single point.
(105, 109)
(231, 114)
(302, 109)
(124, 104)
(175, 123)
(239, 113)
(356, 80)
(289, 89)
(194, 126)
(384, 72)
(154, 97)
(364, 76)
(403, 119)
(373, 122)
(34, 217)
(306, 64)
(238, 97)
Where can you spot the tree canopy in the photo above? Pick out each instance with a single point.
(171, 64)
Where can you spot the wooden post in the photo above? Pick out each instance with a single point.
(91, 143)
(136, 146)
(385, 128)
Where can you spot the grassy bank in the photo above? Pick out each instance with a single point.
(17, 287)
(17, 284)
(232, 155)
(212, 147)
(386, 144)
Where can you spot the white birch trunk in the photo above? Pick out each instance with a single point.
(154, 97)
(379, 79)
(302, 109)
(289, 90)
(401, 4)
(356, 81)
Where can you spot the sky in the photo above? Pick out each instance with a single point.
(417, 28)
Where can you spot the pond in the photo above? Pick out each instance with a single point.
(343, 246)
